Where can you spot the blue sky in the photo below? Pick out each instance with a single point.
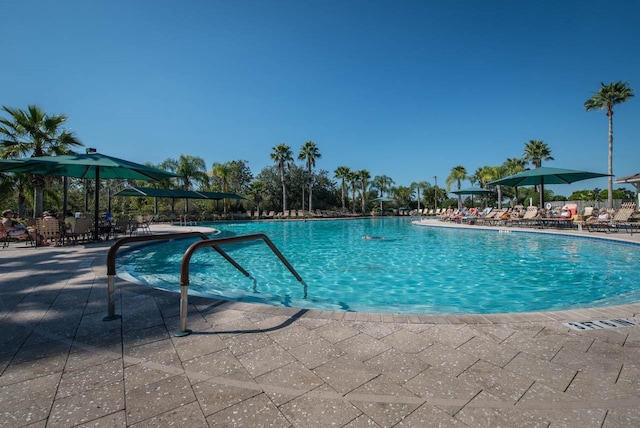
(408, 89)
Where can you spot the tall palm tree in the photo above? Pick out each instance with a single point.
(535, 151)
(511, 166)
(222, 172)
(363, 177)
(282, 156)
(353, 182)
(458, 173)
(309, 153)
(417, 185)
(342, 173)
(32, 132)
(608, 96)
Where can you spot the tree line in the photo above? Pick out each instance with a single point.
(284, 185)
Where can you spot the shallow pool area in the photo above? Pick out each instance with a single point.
(409, 269)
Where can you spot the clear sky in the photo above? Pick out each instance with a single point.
(408, 89)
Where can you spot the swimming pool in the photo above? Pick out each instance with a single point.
(410, 270)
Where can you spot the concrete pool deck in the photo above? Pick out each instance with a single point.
(250, 365)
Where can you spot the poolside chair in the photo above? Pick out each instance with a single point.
(620, 221)
(50, 229)
(529, 218)
(5, 238)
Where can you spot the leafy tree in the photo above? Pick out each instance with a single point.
(309, 153)
(282, 156)
(607, 97)
(32, 132)
(342, 173)
(458, 173)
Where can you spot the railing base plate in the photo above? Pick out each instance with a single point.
(112, 318)
(182, 333)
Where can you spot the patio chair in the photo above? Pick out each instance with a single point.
(50, 229)
(5, 238)
(83, 230)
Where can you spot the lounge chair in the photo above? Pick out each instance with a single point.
(620, 221)
(529, 219)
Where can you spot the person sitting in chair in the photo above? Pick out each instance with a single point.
(17, 229)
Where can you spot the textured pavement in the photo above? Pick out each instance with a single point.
(248, 365)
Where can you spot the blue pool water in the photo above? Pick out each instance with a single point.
(412, 269)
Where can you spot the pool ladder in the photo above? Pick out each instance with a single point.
(184, 265)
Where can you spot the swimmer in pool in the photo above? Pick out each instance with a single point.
(369, 237)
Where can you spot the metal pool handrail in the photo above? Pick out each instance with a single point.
(184, 266)
(111, 261)
(214, 243)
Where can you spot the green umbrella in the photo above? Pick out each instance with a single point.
(546, 175)
(381, 200)
(221, 195)
(159, 193)
(175, 193)
(472, 191)
(86, 165)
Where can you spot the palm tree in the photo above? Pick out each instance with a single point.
(535, 151)
(222, 172)
(363, 176)
(33, 132)
(309, 153)
(419, 185)
(608, 96)
(458, 173)
(382, 183)
(403, 195)
(483, 175)
(342, 173)
(511, 166)
(282, 156)
(256, 191)
(192, 170)
(353, 182)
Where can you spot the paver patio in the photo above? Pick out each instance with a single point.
(248, 365)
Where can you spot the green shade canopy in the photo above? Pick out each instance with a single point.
(159, 193)
(472, 191)
(86, 165)
(546, 175)
(175, 193)
(81, 165)
(221, 195)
